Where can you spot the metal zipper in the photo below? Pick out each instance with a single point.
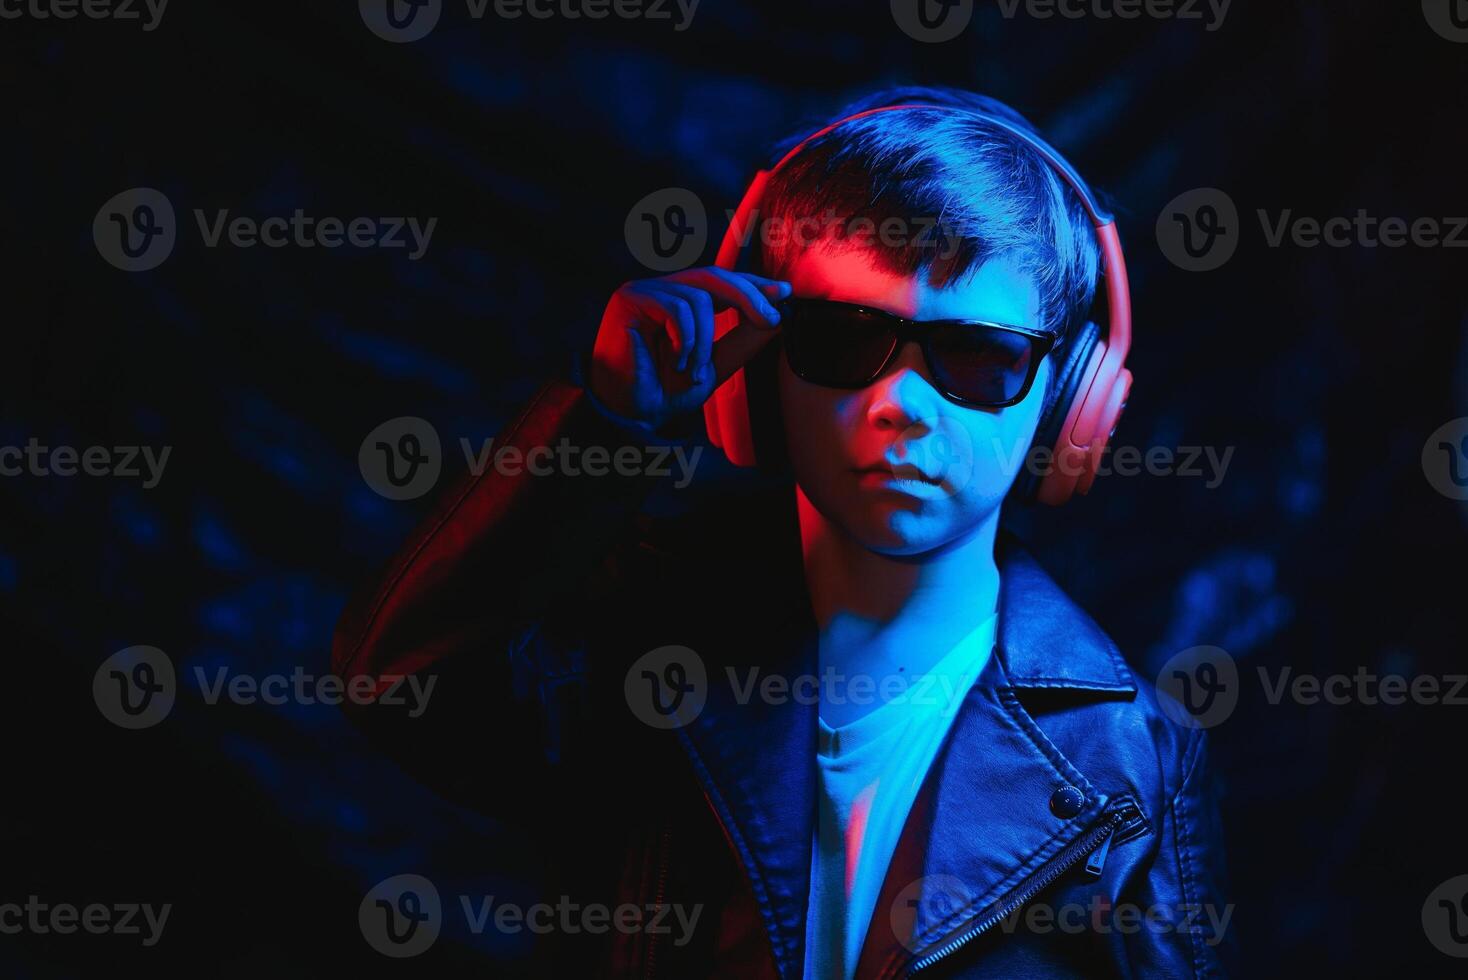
(1097, 841)
(659, 894)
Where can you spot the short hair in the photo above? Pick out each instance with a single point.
(983, 191)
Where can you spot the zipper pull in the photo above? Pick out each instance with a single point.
(1097, 860)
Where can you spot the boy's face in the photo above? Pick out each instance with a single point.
(844, 445)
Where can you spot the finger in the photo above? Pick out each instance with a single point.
(733, 289)
(673, 315)
(735, 348)
(775, 289)
(644, 367)
(682, 322)
(702, 305)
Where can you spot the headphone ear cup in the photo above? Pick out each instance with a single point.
(726, 413)
(1063, 389)
(762, 396)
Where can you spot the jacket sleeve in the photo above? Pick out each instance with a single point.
(1188, 928)
(483, 600)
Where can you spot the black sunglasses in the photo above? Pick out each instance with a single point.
(973, 362)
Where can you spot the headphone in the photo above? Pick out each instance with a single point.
(1091, 383)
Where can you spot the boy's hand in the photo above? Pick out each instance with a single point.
(655, 355)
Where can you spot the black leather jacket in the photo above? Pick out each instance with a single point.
(1065, 829)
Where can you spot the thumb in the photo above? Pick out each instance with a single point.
(738, 340)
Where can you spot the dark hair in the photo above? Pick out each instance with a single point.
(981, 191)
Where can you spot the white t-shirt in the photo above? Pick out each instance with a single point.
(870, 772)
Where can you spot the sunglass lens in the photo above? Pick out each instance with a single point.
(835, 345)
(981, 365)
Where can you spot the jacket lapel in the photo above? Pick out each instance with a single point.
(982, 826)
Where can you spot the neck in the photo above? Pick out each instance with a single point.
(881, 614)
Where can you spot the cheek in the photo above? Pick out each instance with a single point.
(1017, 424)
(817, 420)
(822, 430)
(988, 449)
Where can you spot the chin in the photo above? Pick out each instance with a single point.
(904, 528)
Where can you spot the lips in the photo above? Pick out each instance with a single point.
(899, 471)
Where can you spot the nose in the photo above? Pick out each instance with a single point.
(903, 395)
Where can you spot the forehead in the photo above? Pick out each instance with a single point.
(999, 290)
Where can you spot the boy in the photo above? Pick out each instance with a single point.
(871, 737)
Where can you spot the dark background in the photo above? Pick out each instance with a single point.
(1325, 549)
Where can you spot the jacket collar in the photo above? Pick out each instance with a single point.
(755, 759)
(1045, 639)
